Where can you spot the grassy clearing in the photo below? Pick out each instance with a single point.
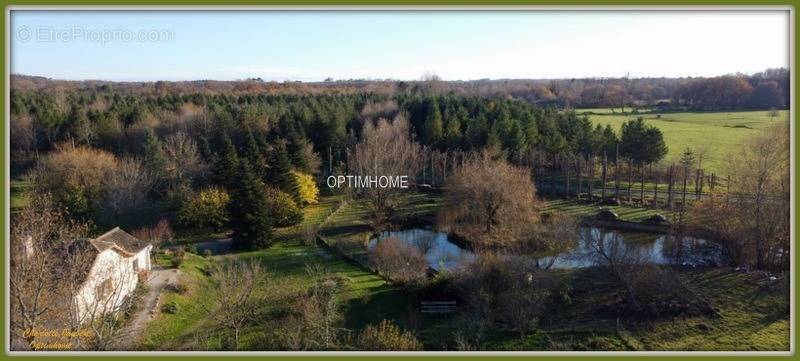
(626, 213)
(723, 132)
(18, 196)
(367, 298)
(753, 316)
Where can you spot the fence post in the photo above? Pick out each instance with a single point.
(605, 166)
(578, 176)
(565, 165)
(656, 177)
(591, 178)
(641, 169)
(670, 186)
(630, 180)
(685, 178)
(616, 176)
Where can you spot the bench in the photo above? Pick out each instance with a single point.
(438, 306)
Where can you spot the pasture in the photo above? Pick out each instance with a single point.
(721, 132)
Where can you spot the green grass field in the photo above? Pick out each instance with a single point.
(753, 316)
(722, 132)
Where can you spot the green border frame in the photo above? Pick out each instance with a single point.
(388, 3)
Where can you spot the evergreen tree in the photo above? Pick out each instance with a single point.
(253, 154)
(279, 171)
(642, 143)
(205, 150)
(432, 133)
(154, 158)
(250, 211)
(226, 164)
(452, 135)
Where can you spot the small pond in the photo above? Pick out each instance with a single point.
(440, 253)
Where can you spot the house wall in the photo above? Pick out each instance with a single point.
(109, 264)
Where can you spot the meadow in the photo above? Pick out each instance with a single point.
(721, 132)
(751, 314)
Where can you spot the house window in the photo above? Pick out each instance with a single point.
(104, 289)
(136, 265)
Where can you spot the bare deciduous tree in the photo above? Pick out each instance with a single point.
(386, 149)
(489, 201)
(43, 270)
(240, 291)
(753, 222)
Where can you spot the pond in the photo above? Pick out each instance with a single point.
(595, 246)
(439, 252)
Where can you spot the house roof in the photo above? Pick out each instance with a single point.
(121, 239)
(84, 252)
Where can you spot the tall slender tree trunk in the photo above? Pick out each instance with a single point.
(685, 178)
(641, 196)
(605, 174)
(578, 176)
(670, 197)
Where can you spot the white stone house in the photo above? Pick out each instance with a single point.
(115, 264)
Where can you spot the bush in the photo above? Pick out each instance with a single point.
(386, 336)
(207, 253)
(156, 235)
(399, 261)
(177, 260)
(177, 287)
(170, 308)
(283, 209)
(306, 188)
(209, 208)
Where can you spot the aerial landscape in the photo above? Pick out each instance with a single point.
(267, 196)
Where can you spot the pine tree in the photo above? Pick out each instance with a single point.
(153, 154)
(253, 154)
(250, 212)
(279, 171)
(205, 150)
(226, 165)
(432, 134)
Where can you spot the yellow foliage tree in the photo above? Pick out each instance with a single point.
(309, 193)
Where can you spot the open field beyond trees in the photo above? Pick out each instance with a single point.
(722, 132)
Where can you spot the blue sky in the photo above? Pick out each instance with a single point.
(310, 46)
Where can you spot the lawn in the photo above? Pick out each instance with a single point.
(368, 298)
(753, 316)
(722, 132)
(18, 189)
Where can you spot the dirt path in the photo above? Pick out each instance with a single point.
(159, 278)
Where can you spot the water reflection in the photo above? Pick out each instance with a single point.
(596, 246)
(440, 253)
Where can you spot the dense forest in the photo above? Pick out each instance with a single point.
(766, 89)
(187, 144)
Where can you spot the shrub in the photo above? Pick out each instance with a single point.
(209, 208)
(207, 253)
(399, 261)
(178, 287)
(283, 209)
(306, 188)
(386, 336)
(170, 308)
(156, 235)
(177, 260)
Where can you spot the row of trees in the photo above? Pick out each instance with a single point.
(769, 88)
